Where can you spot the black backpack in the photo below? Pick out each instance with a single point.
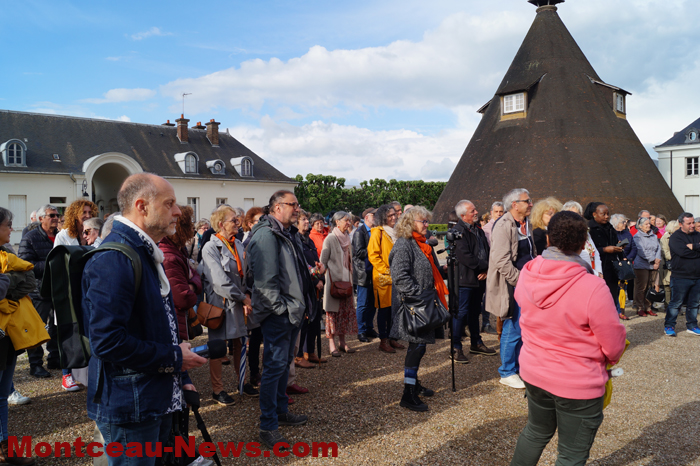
(62, 283)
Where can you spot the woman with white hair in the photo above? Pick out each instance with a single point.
(589, 253)
(646, 266)
(336, 256)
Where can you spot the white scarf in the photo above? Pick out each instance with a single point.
(156, 254)
(390, 231)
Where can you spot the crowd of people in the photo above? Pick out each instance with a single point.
(282, 276)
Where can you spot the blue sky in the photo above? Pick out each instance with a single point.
(354, 89)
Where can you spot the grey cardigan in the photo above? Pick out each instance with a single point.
(224, 287)
(648, 250)
(411, 273)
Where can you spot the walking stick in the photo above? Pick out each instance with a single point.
(244, 358)
(318, 335)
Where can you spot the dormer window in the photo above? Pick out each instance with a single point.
(188, 162)
(14, 153)
(619, 103)
(514, 103)
(243, 165)
(216, 167)
(691, 136)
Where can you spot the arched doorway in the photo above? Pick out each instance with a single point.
(105, 174)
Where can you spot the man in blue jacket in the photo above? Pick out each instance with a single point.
(138, 369)
(685, 277)
(362, 277)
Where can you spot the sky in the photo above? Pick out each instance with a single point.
(359, 90)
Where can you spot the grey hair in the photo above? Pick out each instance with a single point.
(138, 186)
(639, 215)
(107, 227)
(641, 221)
(697, 219)
(570, 205)
(512, 196)
(5, 215)
(239, 212)
(395, 204)
(338, 216)
(461, 207)
(316, 218)
(41, 213)
(497, 204)
(94, 223)
(33, 215)
(616, 219)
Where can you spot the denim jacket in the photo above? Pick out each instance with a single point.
(130, 338)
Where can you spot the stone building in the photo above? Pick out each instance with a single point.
(678, 164)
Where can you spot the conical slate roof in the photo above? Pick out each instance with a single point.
(571, 142)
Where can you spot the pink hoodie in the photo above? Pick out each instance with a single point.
(570, 329)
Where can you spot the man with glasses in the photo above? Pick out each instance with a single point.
(282, 293)
(512, 246)
(34, 248)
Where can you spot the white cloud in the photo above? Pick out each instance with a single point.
(124, 118)
(122, 95)
(353, 152)
(154, 31)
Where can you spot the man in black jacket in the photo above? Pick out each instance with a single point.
(362, 276)
(685, 278)
(472, 252)
(34, 247)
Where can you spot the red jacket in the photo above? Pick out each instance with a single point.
(178, 271)
(318, 239)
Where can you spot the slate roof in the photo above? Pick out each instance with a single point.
(153, 146)
(680, 137)
(570, 144)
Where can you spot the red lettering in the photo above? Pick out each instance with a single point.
(61, 449)
(158, 452)
(301, 449)
(207, 449)
(42, 449)
(91, 450)
(134, 450)
(16, 450)
(324, 447)
(229, 448)
(114, 449)
(78, 445)
(190, 448)
(277, 449)
(253, 449)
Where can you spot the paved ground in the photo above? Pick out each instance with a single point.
(653, 419)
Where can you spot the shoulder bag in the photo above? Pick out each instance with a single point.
(423, 313)
(211, 316)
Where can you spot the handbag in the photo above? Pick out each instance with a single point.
(194, 326)
(210, 316)
(423, 313)
(340, 290)
(656, 296)
(623, 269)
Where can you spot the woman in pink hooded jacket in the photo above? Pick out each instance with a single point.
(570, 332)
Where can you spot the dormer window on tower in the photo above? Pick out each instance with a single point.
(514, 105)
(14, 153)
(620, 103)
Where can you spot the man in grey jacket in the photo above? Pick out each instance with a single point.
(281, 285)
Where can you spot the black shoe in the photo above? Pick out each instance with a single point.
(223, 398)
(39, 371)
(53, 365)
(289, 419)
(423, 390)
(460, 357)
(363, 338)
(249, 390)
(270, 438)
(410, 399)
(371, 333)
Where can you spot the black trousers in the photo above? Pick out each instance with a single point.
(36, 355)
(255, 339)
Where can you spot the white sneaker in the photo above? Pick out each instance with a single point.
(69, 384)
(16, 398)
(513, 381)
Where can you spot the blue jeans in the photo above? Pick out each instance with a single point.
(384, 322)
(469, 310)
(6, 388)
(279, 337)
(683, 290)
(365, 309)
(153, 430)
(511, 342)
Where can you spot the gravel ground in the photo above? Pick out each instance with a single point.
(653, 418)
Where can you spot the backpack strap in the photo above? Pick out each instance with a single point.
(129, 252)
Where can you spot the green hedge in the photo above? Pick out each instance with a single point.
(437, 227)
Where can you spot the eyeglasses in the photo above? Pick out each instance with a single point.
(52, 215)
(529, 201)
(424, 222)
(87, 232)
(234, 220)
(293, 205)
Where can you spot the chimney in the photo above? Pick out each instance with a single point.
(167, 123)
(182, 129)
(213, 132)
(199, 126)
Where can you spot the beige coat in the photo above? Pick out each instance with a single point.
(337, 270)
(502, 271)
(666, 253)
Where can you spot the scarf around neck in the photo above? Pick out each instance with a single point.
(437, 277)
(156, 254)
(390, 231)
(555, 254)
(232, 249)
(344, 241)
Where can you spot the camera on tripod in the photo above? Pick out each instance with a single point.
(453, 235)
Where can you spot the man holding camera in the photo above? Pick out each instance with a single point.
(472, 253)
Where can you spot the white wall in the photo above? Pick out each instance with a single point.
(672, 159)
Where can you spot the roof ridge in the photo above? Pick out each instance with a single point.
(91, 119)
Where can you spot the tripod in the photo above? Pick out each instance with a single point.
(452, 288)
